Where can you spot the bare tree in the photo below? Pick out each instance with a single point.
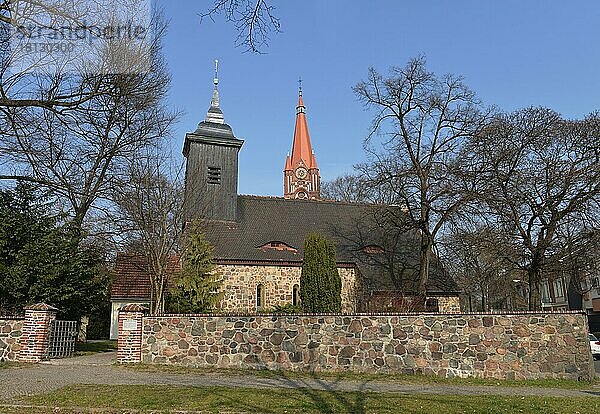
(149, 218)
(574, 256)
(31, 86)
(476, 256)
(349, 188)
(355, 188)
(537, 173)
(421, 124)
(79, 155)
(254, 21)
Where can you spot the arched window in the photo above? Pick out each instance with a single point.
(295, 295)
(260, 296)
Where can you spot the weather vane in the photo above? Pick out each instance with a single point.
(300, 86)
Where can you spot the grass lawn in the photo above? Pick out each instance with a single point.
(89, 347)
(366, 377)
(91, 398)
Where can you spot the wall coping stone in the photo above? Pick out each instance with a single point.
(41, 307)
(133, 307)
(453, 314)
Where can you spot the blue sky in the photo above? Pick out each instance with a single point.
(512, 54)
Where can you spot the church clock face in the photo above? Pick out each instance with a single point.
(301, 172)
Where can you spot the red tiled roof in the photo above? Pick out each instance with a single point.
(131, 279)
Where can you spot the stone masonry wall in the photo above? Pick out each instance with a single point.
(517, 346)
(36, 332)
(240, 282)
(130, 332)
(11, 331)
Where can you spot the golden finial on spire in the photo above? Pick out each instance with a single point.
(300, 86)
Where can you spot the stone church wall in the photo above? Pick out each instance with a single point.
(503, 346)
(240, 285)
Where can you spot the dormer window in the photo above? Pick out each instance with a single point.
(214, 175)
(373, 249)
(277, 245)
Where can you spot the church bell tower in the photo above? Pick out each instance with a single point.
(301, 178)
(211, 168)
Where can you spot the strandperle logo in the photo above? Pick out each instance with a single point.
(83, 36)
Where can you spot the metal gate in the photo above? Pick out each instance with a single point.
(63, 336)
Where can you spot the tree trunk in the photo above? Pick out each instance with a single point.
(484, 304)
(159, 295)
(535, 298)
(424, 256)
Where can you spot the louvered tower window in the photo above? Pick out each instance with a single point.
(214, 175)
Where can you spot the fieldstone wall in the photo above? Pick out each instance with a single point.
(11, 330)
(516, 346)
(240, 282)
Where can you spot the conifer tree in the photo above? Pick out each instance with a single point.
(41, 260)
(320, 283)
(197, 287)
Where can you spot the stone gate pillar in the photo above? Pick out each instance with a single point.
(36, 332)
(130, 333)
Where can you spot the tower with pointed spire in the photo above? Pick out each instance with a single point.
(211, 169)
(301, 178)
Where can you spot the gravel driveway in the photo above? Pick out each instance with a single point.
(99, 369)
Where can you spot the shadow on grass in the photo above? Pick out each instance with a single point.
(355, 404)
(302, 400)
(327, 396)
(308, 394)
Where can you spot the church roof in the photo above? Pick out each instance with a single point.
(212, 133)
(361, 232)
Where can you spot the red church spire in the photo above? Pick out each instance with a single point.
(301, 150)
(301, 177)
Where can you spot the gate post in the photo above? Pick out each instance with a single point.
(36, 331)
(130, 333)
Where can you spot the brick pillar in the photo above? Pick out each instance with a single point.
(130, 333)
(36, 332)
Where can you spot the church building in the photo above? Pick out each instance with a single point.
(258, 241)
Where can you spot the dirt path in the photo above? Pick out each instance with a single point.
(99, 369)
